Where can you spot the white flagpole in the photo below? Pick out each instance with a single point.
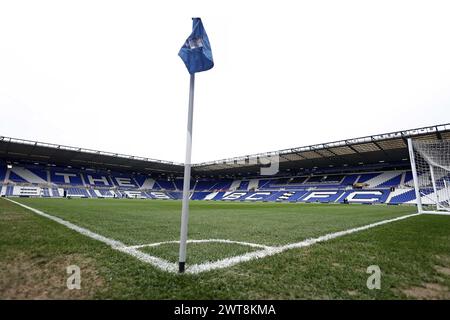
(186, 180)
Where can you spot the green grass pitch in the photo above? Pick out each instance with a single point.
(413, 254)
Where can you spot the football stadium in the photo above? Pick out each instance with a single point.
(318, 167)
(307, 222)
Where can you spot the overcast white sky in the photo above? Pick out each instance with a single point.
(106, 75)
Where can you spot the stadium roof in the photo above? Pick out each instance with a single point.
(382, 148)
(389, 148)
(12, 149)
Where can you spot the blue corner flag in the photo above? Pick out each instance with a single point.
(196, 51)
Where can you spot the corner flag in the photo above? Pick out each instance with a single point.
(196, 51)
(197, 56)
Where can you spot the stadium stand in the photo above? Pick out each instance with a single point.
(63, 177)
(320, 188)
(327, 173)
(2, 173)
(166, 184)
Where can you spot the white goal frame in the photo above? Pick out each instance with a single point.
(440, 199)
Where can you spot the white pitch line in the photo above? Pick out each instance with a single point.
(208, 266)
(116, 245)
(228, 262)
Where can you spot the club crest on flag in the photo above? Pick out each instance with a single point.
(195, 43)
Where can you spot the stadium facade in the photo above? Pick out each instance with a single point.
(368, 170)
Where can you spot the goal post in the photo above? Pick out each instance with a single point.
(430, 166)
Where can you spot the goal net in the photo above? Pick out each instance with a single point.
(430, 164)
